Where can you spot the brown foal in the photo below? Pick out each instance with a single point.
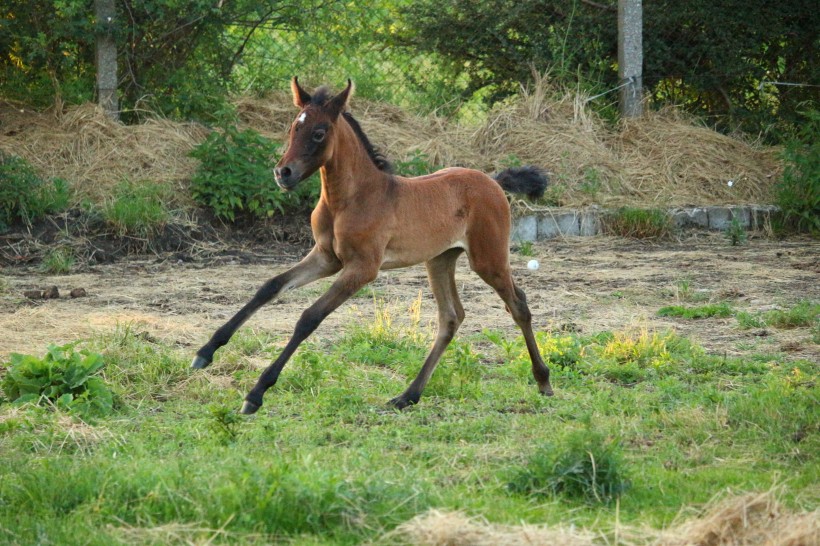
(368, 219)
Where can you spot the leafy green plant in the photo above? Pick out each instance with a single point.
(798, 194)
(225, 424)
(24, 195)
(720, 310)
(735, 233)
(58, 261)
(235, 175)
(62, 377)
(138, 209)
(417, 164)
(639, 223)
(525, 248)
(592, 183)
(585, 465)
(564, 351)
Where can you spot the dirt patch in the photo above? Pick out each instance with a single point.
(583, 284)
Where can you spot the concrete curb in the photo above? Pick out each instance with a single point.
(553, 223)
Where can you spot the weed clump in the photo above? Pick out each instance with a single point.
(586, 466)
(137, 209)
(63, 377)
(24, 195)
(639, 223)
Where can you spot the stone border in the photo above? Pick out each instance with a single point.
(553, 223)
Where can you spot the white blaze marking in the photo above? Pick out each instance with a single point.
(301, 118)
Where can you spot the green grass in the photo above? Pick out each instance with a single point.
(804, 313)
(137, 209)
(639, 223)
(326, 462)
(720, 310)
(58, 261)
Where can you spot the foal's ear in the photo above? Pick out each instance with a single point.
(301, 98)
(338, 104)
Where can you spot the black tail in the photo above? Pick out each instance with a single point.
(529, 180)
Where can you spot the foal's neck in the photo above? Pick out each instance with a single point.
(350, 176)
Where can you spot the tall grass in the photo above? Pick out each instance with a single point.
(647, 418)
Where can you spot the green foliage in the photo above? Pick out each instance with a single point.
(178, 55)
(720, 310)
(24, 195)
(418, 164)
(235, 176)
(525, 248)
(62, 377)
(137, 209)
(639, 223)
(584, 465)
(736, 233)
(805, 313)
(58, 261)
(325, 463)
(798, 194)
(712, 58)
(225, 425)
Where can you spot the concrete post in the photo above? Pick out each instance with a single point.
(630, 56)
(106, 57)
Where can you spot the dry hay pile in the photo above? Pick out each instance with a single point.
(745, 520)
(95, 153)
(661, 159)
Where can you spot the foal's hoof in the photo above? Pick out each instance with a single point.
(546, 391)
(200, 362)
(249, 408)
(400, 402)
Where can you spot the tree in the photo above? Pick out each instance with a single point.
(176, 55)
(710, 57)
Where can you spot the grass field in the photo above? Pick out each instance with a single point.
(643, 424)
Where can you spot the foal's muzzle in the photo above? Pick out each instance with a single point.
(287, 177)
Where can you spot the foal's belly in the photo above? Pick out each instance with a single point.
(395, 258)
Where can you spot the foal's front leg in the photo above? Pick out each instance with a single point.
(314, 266)
(348, 283)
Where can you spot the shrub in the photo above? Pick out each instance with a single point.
(798, 194)
(639, 223)
(62, 377)
(236, 174)
(24, 195)
(585, 465)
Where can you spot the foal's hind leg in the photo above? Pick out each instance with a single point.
(314, 266)
(516, 302)
(441, 273)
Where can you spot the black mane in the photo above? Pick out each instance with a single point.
(376, 156)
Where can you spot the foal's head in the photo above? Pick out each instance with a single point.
(312, 133)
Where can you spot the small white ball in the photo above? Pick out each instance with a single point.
(532, 264)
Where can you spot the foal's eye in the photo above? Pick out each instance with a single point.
(318, 135)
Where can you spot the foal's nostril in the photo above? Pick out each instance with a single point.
(282, 172)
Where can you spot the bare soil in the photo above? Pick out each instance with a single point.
(583, 284)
